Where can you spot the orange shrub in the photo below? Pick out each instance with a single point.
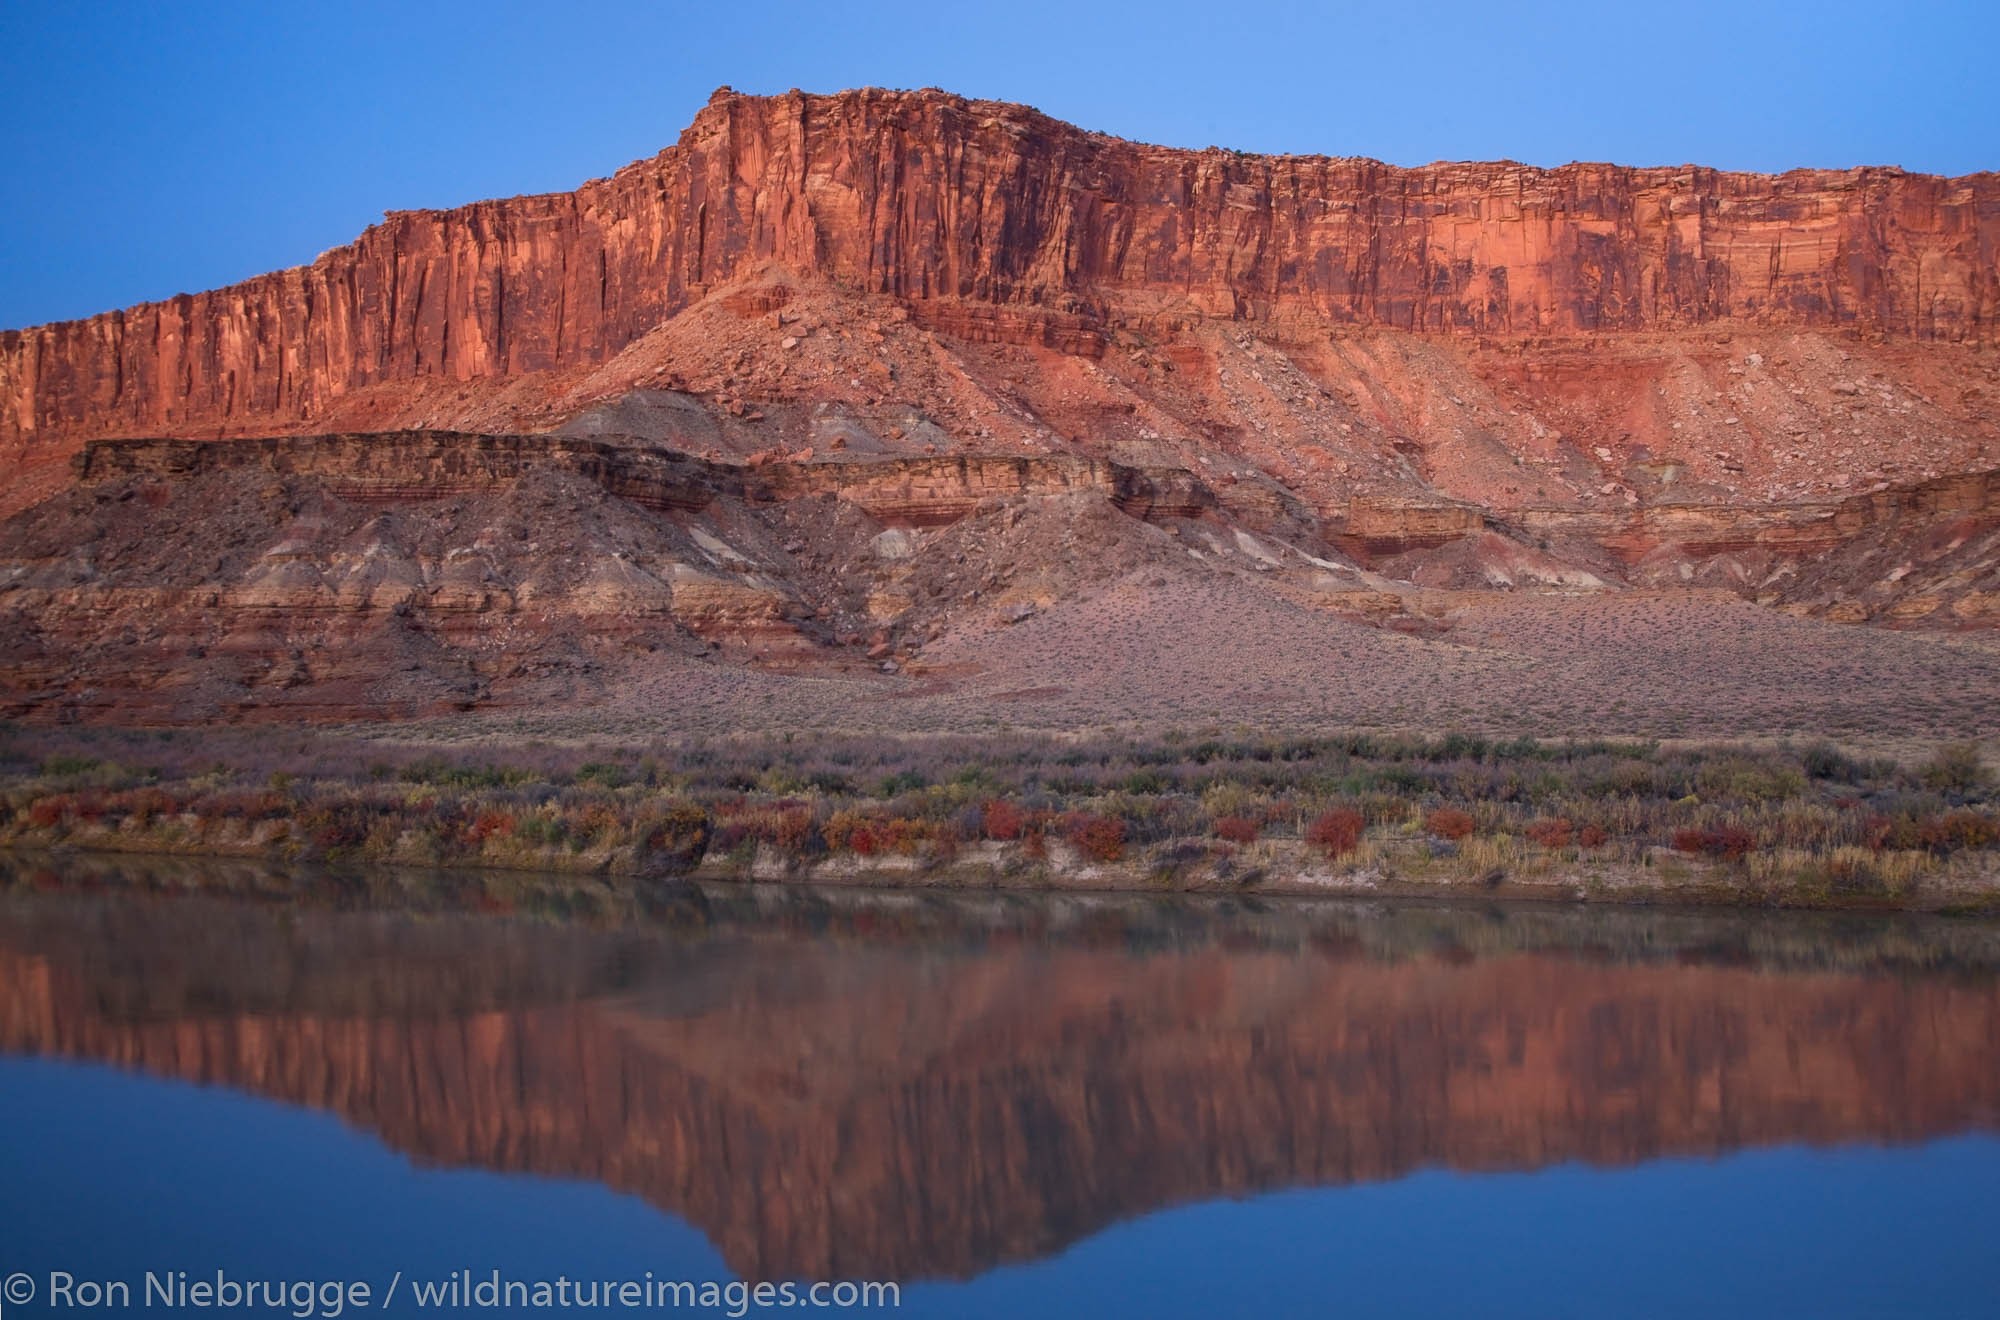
(1591, 836)
(849, 831)
(677, 837)
(1336, 833)
(793, 830)
(900, 834)
(1100, 838)
(594, 820)
(1450, 823)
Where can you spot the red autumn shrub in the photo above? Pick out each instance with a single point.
(1956, 829)
(1337, 832)
(1100, 838)
(1591, 836)
(1728, 841)
(1450, 823)
(488, 824)
(244, 804)
(1876, 829)
(142, 804)
(343, 832)
(1550, 831)
(48, 811)
(1235, 829)
(837, 828)
(1002, 821)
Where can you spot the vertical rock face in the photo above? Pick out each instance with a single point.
(924, 196)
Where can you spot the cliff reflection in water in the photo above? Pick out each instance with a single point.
(844, 1086)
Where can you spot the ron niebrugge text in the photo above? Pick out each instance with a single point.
(325, 1299)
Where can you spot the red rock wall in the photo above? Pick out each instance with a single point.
(924, 195)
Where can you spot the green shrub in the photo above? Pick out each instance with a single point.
(1956, 768)
(1822, 760)
(69, 765)
(1745, 780)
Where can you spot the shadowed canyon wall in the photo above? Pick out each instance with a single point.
(841, 1107)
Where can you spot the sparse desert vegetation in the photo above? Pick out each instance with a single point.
(1788, 823)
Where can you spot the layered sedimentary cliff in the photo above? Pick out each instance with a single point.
(405, 573)
(930, 199)
(880, 370)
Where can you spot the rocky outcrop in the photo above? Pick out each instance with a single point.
(1390, 526)
(404, 573)
(408, 573)
(1928, 552)
(432, 465)
(1006, 226)
(1005, 1099)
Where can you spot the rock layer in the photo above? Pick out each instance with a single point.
(409, 573)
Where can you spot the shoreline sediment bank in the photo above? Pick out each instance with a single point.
(1799, 826)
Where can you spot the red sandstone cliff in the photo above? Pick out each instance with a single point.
(922, 195)
(533, 447)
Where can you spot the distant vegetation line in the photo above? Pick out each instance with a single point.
(1796, 825)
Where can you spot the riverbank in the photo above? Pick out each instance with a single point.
(1787, 825)
(1395, 869)
(211, 904)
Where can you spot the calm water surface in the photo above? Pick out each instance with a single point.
(1008, 1105)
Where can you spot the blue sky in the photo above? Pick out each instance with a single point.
(153, 149)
